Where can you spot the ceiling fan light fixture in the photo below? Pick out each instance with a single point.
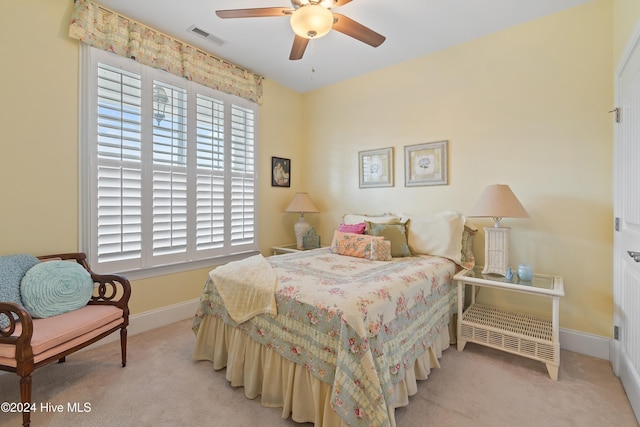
(311, 21)
(324, 3)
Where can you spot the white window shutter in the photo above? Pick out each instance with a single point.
(170, 176)
(169, 184)
(210, 191)
(242, 176)
(119, 176)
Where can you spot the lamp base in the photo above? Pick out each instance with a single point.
(301, 228)
(496, 250)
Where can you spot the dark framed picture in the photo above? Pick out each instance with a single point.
(280, 172)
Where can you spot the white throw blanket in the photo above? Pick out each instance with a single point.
(247, 287)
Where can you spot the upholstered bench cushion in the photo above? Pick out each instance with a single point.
(62, 331)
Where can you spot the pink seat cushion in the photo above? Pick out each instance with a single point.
(53, 331)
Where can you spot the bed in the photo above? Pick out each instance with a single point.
(345, 338)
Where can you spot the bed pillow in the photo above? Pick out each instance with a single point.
(353, 228)
(12, 270)
(439, 234)
(55, 287)
(380, 250)
(351, 244)
(467, 259)
(396, 233)
(379, 218)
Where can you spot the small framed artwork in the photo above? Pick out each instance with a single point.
(425, 164)
(376, 168)
(280, 172)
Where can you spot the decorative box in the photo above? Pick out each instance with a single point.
(311, 240)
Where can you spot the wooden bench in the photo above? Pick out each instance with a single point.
(29, 343)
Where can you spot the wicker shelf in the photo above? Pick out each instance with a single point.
(511, 331)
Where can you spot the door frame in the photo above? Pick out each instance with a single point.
(622, 366)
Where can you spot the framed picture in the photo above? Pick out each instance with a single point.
(280, 172)
(425, 164)
(376, 168)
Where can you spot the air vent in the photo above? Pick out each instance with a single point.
(200, 32)
(205, 34)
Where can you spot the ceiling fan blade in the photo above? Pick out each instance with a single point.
(254, 13)
(356, 30)
(298, 48)
(341, 3)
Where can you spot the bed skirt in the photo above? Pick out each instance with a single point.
(287, 385)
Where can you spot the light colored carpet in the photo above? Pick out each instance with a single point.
(163, 386)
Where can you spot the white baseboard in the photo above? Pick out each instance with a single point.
(579, 342)
(583, 343)
(164, 316)
(143, 322)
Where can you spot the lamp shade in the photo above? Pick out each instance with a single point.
(311, 21)
(301, 203)
(498, 201)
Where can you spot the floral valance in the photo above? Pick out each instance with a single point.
(102, 28)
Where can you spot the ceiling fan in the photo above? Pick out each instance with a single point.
(311, 19)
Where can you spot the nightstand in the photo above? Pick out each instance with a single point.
(511, 331)
(285, 249)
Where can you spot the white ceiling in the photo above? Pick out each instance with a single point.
(413, 28)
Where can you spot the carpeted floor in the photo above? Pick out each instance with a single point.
(163, 386)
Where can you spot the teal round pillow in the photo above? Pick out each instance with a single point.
(55, 287)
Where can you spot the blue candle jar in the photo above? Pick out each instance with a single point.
(524, 272)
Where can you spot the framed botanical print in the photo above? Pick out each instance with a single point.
(375, 168)
(425, 164)
(280, 172)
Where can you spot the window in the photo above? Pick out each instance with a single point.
(169, 169)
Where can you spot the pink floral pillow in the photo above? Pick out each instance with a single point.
(353, 228)
(361, 246)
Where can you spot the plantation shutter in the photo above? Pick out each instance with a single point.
(210, 179)
(119, 173)
(242, 176)
(170, 173)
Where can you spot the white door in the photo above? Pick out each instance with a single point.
(626, 264)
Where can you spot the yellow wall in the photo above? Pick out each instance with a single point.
(39, 116)
(280, 136)
(527, 107)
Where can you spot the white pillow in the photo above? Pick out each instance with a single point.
(385, 218)
(439, 234)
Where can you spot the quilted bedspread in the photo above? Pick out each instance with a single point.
(353, 323)
(246, 287)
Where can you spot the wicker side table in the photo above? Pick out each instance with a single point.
(285, 249)
(511, 331)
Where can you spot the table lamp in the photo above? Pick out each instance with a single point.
(497, 201)
(301, 203)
